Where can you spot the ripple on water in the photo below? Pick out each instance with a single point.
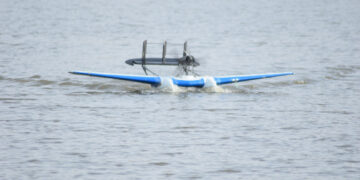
(77, 154)
(49, 140)
(159, 163)
(228, 171)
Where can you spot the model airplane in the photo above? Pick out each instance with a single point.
(187, 63)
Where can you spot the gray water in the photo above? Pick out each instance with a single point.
(54, 125)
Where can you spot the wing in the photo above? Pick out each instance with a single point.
(233, 79)
(152, 80)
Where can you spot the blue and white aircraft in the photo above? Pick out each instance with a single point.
(187, 64)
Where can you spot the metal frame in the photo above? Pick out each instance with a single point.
(185, 62)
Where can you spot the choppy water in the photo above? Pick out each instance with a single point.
(54, 125)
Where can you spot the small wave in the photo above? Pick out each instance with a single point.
(35, 79)
(44, 82)
(159, 163)
(68, 83)
(228, 171)
(100, 86)
(19, 80)
(280, 83)
(340, 71)
(343, 69)
(17, 99)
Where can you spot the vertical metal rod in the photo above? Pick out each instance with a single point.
(143, 62)
(144, 52)
(164, 52)
(185, 48)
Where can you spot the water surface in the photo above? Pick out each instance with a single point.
(54, 125)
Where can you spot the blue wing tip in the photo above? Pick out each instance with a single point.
(287, 73)
(77, 72)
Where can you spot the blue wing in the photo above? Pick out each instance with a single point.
(152, 80)
(156, 81)
(233, 79)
